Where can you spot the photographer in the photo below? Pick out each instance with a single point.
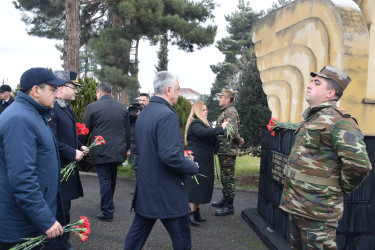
(134, 110)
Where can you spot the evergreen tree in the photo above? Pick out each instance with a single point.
(239, 73)
(183, 108)
(85, 96)
(163, 54)
(87, 61)
(132, 20)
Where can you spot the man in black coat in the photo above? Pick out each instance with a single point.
(109, 119)
(161, 192)
(134, 110)
(5, 98)
(63, 125)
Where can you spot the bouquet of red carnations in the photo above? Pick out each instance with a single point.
(189, 154)
(80, 228)
(274, 125)
(81, 130)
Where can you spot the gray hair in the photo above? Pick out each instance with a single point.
(105, 87)
(164, 79)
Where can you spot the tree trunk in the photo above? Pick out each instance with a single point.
(136, 58)
(72, 35)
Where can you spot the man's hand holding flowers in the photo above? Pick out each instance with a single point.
(80, 228)
(85, 150)
(69, 169)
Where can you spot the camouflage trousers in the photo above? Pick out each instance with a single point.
(227, 164)
(310, 234)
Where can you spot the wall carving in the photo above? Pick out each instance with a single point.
(306, 35)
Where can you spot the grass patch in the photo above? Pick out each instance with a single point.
(125, 170)
(247, 172)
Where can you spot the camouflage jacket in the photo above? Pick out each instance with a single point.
(227, 145)
(329, 144)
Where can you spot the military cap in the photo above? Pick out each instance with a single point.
(334, 74)
(67, 75)
(226, 92)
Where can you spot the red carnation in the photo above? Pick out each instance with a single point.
(81, 129)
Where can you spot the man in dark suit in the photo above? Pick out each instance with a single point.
(6, 98)
(160, 191)
(63, 125)
(108, 118)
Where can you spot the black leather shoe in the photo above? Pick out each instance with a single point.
(192, 219)
(227, 210)
(102, 217)
(198, 216)
(219, 203)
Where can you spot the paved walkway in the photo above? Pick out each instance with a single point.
(228, 232)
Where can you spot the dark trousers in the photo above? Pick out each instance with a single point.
(178, 229)
(63, 240)
(107, 174)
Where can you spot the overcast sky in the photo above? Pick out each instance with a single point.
(19, 52)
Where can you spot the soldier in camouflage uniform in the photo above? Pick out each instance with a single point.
(328, 159)
(227, 153)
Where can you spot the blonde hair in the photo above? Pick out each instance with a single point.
(195, 113)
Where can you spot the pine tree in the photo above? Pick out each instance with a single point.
(239, 73)
(132, 20)
(163, 54)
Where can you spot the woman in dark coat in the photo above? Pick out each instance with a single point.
(200, 138)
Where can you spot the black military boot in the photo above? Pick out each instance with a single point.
(227, 209)
(219, 203)
(192, 219)
(198, 216)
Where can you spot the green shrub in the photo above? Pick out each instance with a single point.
(85, 96)
(182, 108)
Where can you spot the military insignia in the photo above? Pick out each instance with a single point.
(350, 137)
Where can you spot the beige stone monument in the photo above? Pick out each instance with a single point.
(305, 35)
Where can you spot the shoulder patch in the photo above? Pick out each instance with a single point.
(350, 138)
(343, 112)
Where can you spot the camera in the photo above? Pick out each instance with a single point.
(134, 108)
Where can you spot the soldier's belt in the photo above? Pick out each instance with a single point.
(295, 175)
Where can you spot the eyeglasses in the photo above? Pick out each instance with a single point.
(74, 88)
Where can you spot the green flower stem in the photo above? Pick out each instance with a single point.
(33, 242)
(195, 177)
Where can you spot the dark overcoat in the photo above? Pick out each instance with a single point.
(202, 141)
(161, 191)
(63, 125)
(109, 118)
(4, 105)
